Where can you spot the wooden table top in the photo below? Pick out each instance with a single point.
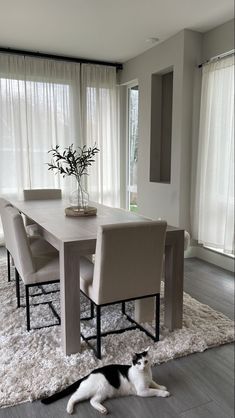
(50, 215)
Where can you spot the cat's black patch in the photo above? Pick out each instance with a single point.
(138, 356)
(113, 373)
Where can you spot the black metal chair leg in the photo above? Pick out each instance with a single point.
(136, 325)
(157, 317)
(98, 332)
(27, 307)
(92, 310)
(17, 277)
(8, 266)
(123, 308)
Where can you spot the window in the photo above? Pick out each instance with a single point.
(133, 136)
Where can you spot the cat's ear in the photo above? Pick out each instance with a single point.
(134, 359)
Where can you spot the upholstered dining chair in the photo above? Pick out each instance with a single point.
(38, 194)
(42, 194)
(37, 244)
(128, 266)
(34, 270)
(4, 203)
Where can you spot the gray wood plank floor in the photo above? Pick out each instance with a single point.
(201, 384)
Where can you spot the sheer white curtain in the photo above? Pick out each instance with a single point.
(53, 115)
(100, 126)
(39, 108)
(213, 214)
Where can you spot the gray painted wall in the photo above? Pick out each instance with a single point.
(168, 201)
(155, 200)
(183, 52)
(218, 40)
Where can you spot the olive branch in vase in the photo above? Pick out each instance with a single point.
(72, 161)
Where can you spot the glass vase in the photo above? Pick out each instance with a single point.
(79, 199)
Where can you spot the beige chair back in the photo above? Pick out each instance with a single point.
(42, 194)
(129, 260)
(3, 204)
(20, 249)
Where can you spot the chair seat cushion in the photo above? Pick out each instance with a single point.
(86, 275)
(47, 270)
(40, 246)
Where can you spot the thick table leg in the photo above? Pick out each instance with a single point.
(174, 279)
(144, 310)
(70, 298)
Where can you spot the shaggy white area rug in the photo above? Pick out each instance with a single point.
(32, 364)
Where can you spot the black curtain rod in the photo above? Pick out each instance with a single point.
(59, 57)
(217, 57)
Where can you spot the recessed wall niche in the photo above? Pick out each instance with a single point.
(161, 126)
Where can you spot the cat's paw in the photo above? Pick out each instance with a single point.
(163, 393)
(162, 387)
(69, 409)
(104, 410)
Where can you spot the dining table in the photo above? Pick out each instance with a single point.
(75, 237)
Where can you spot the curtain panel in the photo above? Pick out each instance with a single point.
(39, 108)
(213, 206)
(44, 103)
(100, 126)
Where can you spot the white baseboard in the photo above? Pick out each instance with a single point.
(212, 257)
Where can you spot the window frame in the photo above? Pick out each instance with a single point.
(130, 86)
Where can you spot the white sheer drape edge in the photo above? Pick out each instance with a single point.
(212, 203)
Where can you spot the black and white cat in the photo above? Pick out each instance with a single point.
(112, 381)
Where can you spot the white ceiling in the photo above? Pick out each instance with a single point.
(109, 30)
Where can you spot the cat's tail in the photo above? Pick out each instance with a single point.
(63, 393)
